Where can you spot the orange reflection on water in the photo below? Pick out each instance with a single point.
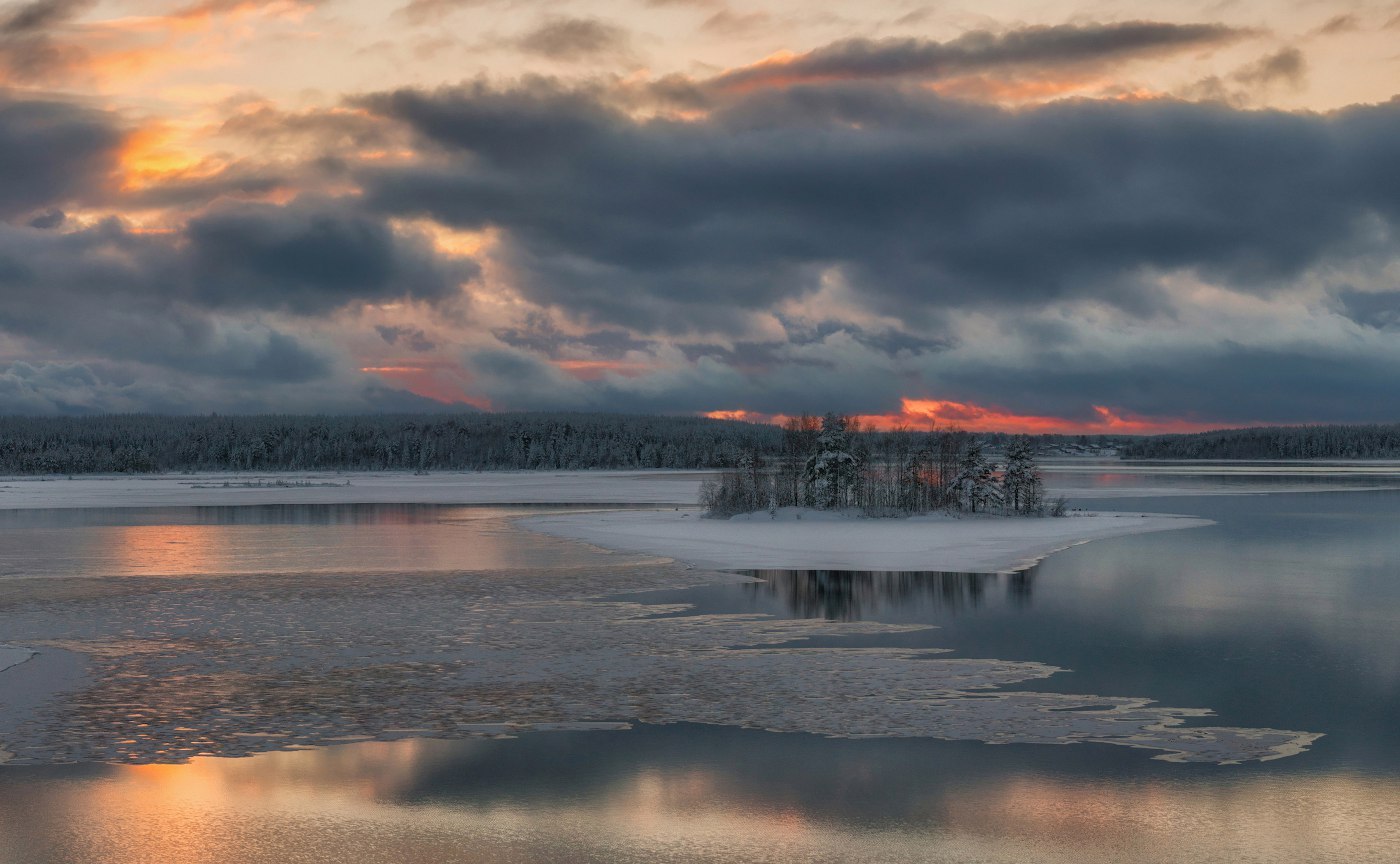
(420, 801)
(151, 550)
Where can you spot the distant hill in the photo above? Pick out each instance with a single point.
(1379, 441)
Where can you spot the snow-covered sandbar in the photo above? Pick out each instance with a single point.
(829, 542)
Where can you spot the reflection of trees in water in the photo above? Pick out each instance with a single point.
(849, 595)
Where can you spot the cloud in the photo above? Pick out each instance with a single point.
(311, 256)
(411, 338)
(916, 203)
(1282, 383)
(1345, 23)
(1250, 83)
(74, 388)
(728, 23)
(1286, 65)
(40, 15)
(52, 152)
(28, 50)
(574, 39)
(1046, 47)
(232, 294)
(1376, 309)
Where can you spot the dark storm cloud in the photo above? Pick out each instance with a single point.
(920, 204)
(193, 301)
(308, 257)
(311, 257)
(574, 39)
(1377, 309)
(52, 151)
(1042, 48)
(411, 338)
(106, 293)
(1226, 383)
(538, 333)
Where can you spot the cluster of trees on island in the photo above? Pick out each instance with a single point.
(828, 464)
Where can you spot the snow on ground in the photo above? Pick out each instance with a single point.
(1076, 478)
(361, 487)
(809, 540)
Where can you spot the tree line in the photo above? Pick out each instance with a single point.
(522, 441)
(829, 464)
(140, 443)
(1273, 442)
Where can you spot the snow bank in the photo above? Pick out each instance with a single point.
(364, 487)
(826, 541)
(1076, 478)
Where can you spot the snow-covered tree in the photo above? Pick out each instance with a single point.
(1022, 490)
(832, 470)
(976, 482)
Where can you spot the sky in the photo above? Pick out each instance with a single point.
(1056, 216)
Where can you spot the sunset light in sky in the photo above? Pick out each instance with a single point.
(1046, 217)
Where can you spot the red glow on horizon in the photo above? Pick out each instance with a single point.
(439, 381)
(919, 414)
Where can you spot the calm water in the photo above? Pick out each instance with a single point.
(275, 538)
(1285, 614)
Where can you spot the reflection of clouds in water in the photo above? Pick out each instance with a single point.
(229, 667)
(431, 801)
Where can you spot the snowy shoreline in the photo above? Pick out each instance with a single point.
(360, 487)
(1072, 478)
(826, 542)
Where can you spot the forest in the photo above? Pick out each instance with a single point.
(143, 443)
(465, 442)
(1273, 442)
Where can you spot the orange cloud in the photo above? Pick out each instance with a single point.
(439, 380)
(746, 416)
(592, 370)
(151, 154)
(1015, 91)
(942, 413)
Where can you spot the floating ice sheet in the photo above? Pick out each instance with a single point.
(234, 666)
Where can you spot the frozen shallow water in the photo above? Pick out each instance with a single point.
(1283, 615)
(182, 666)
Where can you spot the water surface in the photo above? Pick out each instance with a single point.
(1284, 614)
